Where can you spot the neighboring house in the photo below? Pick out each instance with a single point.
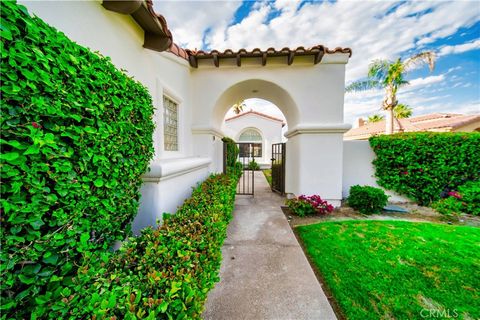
(257, 131)
(193, 90)
(435, 122)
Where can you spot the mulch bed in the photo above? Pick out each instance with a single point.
(416, 213)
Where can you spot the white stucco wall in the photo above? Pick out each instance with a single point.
(271, 131)
(120, 38)
(358, 168)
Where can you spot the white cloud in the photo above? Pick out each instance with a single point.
(469, 107)
(360, 25)
(472, 45)
(190, 20)
(418, 82)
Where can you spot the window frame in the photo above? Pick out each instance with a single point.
(166, 96)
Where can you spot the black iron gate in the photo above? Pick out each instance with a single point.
(238, 156)
(278, 167)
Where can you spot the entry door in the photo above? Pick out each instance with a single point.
(278, 167)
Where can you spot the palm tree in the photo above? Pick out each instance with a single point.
(389, 75)
(238, 106)
(402, 111)
(375, 118)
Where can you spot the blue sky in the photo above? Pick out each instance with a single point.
(373, 29)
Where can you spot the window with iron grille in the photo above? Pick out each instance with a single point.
(170, 124)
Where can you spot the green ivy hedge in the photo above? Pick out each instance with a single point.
(76, 135)
(423, 165)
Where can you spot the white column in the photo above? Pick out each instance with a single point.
(315, 161)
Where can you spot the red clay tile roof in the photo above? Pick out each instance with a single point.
(255, 113)
(448, 121)
(316, 51)
(421, 123)
(193, 56)
(178, 51)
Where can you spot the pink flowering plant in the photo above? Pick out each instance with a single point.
(308, 205)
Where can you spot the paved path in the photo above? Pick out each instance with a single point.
(264, 274)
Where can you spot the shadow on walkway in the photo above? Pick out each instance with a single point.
(264, 273)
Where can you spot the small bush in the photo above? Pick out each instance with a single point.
(465, 200)
(421, 165)
(303, 205)
(366, 199)
(232, 151)
(253, 165)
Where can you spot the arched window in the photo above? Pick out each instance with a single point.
(250, 135)
(250, 143)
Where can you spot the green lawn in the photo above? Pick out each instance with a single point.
(268, 176)
(396, 269)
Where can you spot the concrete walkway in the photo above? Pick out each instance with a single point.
(264, 273)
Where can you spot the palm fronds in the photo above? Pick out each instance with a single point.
(364, 85)
(426, 57)
(378, 69)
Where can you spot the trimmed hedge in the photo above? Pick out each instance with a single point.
(76, 135)
(232, 165)
(165, 273)
(423, 165)
(232, 152)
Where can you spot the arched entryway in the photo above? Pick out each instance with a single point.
(255, 125)
(310, 97)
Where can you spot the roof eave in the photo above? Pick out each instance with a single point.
(157, 35)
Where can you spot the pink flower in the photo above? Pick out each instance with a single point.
(455, 194)
(36, 125)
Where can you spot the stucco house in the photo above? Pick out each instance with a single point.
(193, 90)
(255, 130)
(435, 122)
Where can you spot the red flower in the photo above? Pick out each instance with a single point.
(36, 125)
(405, 172)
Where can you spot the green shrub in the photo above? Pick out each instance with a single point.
(166, 272)
(232, 151)
(465, 200)
(253, 165)
(366, 199)
(422, 165)
(76, 135)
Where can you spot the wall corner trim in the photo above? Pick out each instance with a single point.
(170, 168)
(207, 130)
(318, 129)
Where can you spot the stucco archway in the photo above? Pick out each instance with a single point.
(256, 88)
(309, 96)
